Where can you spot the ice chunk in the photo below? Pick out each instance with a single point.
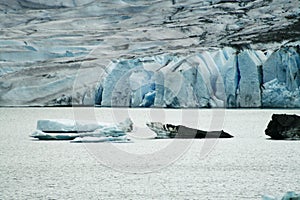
(70, 129)
(110, 131)
(67, 125)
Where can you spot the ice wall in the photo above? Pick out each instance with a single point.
(281, 75)
(221, 78)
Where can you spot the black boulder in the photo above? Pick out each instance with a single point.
(283, 126)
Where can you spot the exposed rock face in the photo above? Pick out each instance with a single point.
(284, 127)
(58, 52)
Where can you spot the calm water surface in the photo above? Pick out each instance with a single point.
(244, 167)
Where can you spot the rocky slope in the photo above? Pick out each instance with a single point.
(61, 52)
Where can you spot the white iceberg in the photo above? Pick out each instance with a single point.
(68, 125)
(65, 129)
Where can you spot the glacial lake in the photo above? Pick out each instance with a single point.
(247, 166)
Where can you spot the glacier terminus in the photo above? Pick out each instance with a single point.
(173, 53)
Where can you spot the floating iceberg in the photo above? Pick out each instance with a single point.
(68, 125)
(64, 129)
(179, 131)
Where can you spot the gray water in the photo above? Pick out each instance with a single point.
(244, 167)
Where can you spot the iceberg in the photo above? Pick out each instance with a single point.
(64, 129)
(67, 125)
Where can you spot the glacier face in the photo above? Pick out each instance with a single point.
(58, 52)
(221, 78)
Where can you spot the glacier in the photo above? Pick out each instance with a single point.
(221, 78)
(177, 54)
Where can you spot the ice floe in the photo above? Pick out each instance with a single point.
(82, 131)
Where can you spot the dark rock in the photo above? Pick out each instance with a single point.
(186, 132)
(284, 126)
(173, 131)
